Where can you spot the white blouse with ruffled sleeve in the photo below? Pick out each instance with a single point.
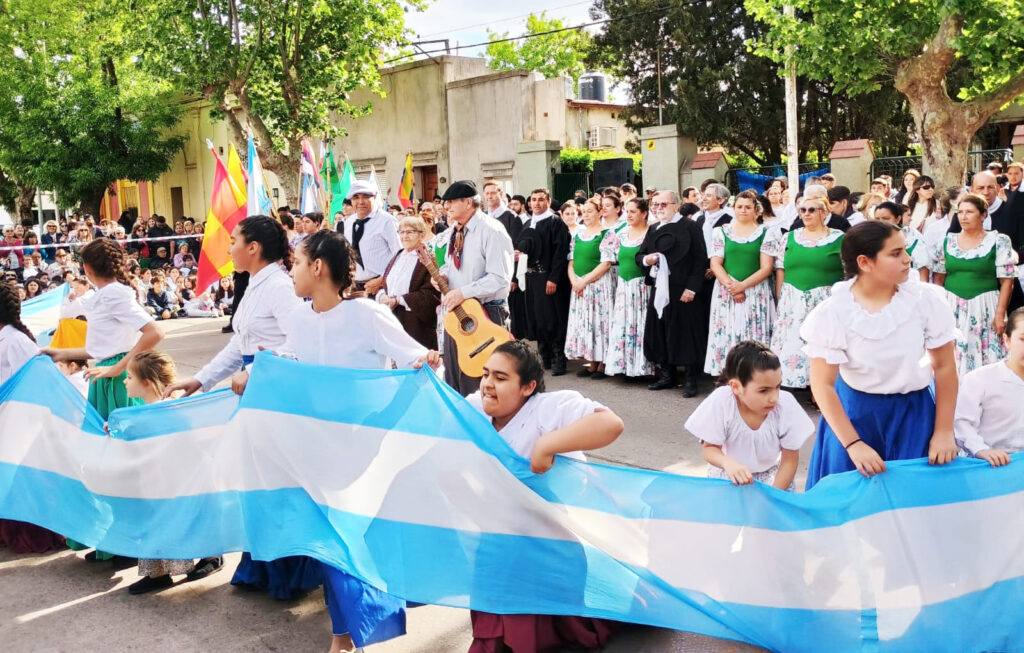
(884, 352)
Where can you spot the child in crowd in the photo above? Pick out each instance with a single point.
(866, 343)
(148, 375)
(159, 301)
(538, 425)
(75, 373)
(73, 305)
(224, 295)
(989, 420)
(750, 429)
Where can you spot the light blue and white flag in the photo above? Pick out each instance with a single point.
(42, 313)
(258, 198)
(397, 480)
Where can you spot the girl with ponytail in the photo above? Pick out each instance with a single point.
(119, 328)
(17, 347)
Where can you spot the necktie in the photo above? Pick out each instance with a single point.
(357, 235)
(458, 240)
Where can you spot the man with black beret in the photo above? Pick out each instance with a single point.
(477, 265)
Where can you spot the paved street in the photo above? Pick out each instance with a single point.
(56, 602)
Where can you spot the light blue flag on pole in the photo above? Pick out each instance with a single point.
(259, 199)
(396, 479)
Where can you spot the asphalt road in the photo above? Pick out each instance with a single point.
(56, 602)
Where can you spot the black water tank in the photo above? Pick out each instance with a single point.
(594, 86)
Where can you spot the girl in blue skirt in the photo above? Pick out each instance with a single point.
(868, 343)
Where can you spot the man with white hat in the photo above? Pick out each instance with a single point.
(373, 235)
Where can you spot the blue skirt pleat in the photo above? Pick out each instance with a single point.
(283, 579)
(898, 427)
(362, 611)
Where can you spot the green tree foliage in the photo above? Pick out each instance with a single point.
(721, 94)
(957, 63)
(577, 160)
(285, 67)
(552, 55)
(76, 112)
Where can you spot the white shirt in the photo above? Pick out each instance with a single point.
(377, 245)
(855, 218)
(497, 211)
(718, 421)
(259, 322)
(115, 318)
(935, 233)
(709, 225)
(883, 352)
(16, 349)
(400, 276)
(542, 413)
(357, 333)
(72, 308)
(989, 410)
(79, 382)
(538, 218)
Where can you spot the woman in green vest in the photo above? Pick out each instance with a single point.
(920, 257)
(629, 313)
(977, 268)
(594, 249)
(804, 273)
(742, 255)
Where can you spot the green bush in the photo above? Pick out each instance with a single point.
(579, 160)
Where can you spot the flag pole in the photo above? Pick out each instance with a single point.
(327, 185)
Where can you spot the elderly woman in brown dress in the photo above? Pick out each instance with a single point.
(407, 290)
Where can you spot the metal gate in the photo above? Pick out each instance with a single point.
(566, 185)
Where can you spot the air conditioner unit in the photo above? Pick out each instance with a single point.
(601, 137)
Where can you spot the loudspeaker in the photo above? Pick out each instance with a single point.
(612, 172)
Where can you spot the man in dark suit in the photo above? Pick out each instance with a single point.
(833, 220)
(494, 206)
(545, 241)
(676, 333)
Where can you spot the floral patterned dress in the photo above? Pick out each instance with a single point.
(590, 314)
(972, 290)
(753, 318)
(811, 269)
(629, 315)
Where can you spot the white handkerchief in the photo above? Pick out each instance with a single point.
(660, 273)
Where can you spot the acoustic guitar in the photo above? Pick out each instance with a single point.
(475, 335)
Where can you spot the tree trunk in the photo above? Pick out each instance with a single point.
(945, 139)
(23, 205)
(286, 167)
(91, 204)
(283, 164)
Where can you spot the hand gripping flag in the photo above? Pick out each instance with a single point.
(227, 209)
(256, 192)
(406, 190)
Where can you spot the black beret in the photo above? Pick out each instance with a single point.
(460, 190)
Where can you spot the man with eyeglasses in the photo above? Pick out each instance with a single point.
(676, 325)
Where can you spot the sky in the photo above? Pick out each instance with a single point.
(467, 21)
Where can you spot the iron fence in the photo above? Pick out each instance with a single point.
(896, 166)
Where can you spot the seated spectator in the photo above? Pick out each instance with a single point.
(32, 289)
(225, 295)
(33, 265)
(160, 301)
(73, 305)
(184, 260)
(62, 265)
(161, 260)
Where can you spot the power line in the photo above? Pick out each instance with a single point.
(503, 20)
(531, 36)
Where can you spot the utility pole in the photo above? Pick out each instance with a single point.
(660, 119)
(792, 125)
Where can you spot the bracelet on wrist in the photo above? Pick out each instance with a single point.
(847, 447)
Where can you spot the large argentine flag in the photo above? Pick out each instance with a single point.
(42, 313)
(396, 479)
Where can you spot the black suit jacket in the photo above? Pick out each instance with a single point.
(512, 223)
(682, 243)
(724, 218)
(547, 246)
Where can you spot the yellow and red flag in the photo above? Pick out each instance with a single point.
(227, 209)
(406, 191)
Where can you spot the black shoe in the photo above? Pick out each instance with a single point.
(123, 562)
(584, 372)
(547, 363)
(598, 375)
(228, 329)
(663, 383)
(559, 368)
(148, 584)
(205, 567)
(689, 388)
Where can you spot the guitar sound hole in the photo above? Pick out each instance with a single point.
(467, 324)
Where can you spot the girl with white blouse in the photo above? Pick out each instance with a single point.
(875, 347)
(538, 425)
(259, 246)
(989, 413)
(750, 429)
(338, 330)
(17, 347)
(119, 328)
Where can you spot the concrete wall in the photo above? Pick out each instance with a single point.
(580, 120)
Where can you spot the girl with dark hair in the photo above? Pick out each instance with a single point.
(611, 212)
(340, 330)
(592, 251)
(625, 353)
(920, 257)
(538, 425)
(119, 328)
(17, 347)
(989, 413)
(742, 257)
(977, 268)
(258, 247)
(866, 343)
(749, 428)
